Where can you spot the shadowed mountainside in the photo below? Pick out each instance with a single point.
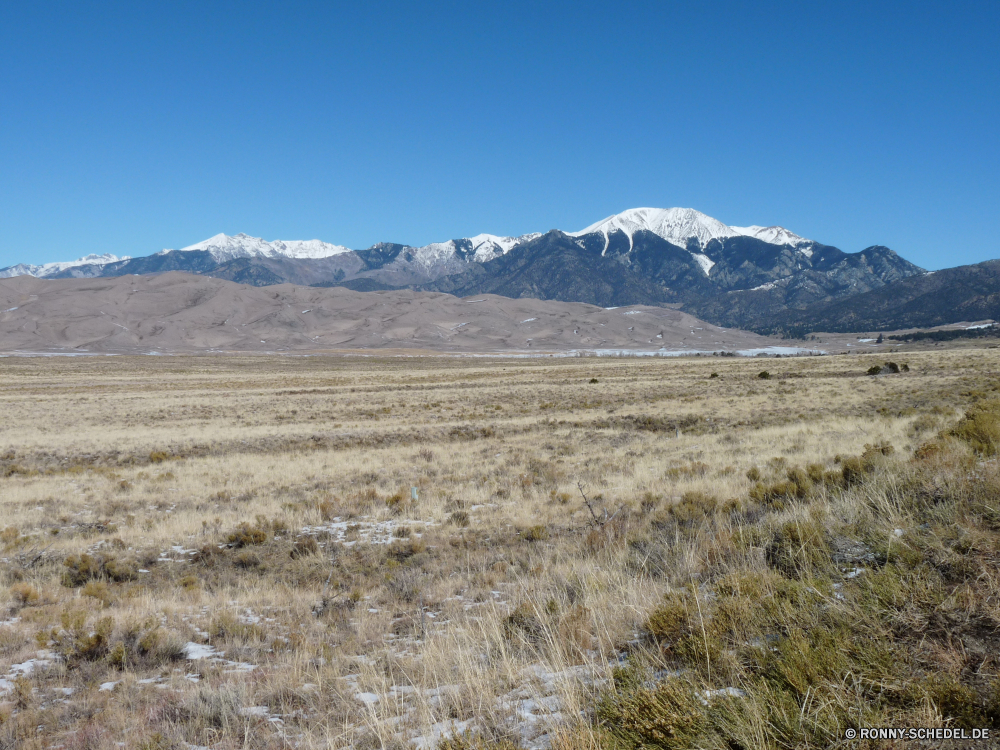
(964, 293)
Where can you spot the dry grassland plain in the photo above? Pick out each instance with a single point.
(320, 552)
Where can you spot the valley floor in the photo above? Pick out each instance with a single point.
(224, 552)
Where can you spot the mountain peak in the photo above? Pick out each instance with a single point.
(682, 225)
(49, 269)
(677, 225)
(772, 235)
(224, 247)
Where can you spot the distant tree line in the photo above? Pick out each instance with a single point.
(962, 333)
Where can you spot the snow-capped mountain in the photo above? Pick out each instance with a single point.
(734, 276)
(676, 225)
(223, 247)
(772, 235)
(51, 269)
(684, 227)
(427, 262)
(481, 248)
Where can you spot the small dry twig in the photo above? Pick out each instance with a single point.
(597, 521)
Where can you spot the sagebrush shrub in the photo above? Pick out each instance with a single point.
(25, 594)
(304, 547)
(799, 548)
(980, 428)
(666, 716)
(246, 535)
(538, 533)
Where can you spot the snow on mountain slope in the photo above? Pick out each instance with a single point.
(679, 225)
(676, 225)
(704, 261)
(48, 269)
(773, 235)
(684, 227)
(225, 248)
(489, 246)
(481, 248)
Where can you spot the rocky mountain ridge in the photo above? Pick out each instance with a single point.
(744, 277)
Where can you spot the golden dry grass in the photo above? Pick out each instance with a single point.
(150, 504)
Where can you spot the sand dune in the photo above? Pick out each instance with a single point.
(179, 312)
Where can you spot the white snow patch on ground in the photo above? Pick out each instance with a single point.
(776, 350)
(372, 532)
(194, 650)
(726, 692)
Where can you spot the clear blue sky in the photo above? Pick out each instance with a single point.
(132, 127)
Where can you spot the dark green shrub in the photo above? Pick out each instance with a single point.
(77, 642)
(397, 501)
(156, 741)
(671, 621)
(667, 716)
(83, 568)
(892, 367)
(957, 702)
(693, 506)
(816, 473)
(523, 622)
(807, 660)
(802, 480)
(403, 549)
(247, 560)
(764, 375)
(245, 535)
(799, 549)
(80, 569)
(796, 486)
(120, 570)
(469, 741)
(980, 428)
(25, 595)
(304, 547)
(852, 470)
(874, 370)
(538, 533)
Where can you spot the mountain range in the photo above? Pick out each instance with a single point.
(756, 277)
